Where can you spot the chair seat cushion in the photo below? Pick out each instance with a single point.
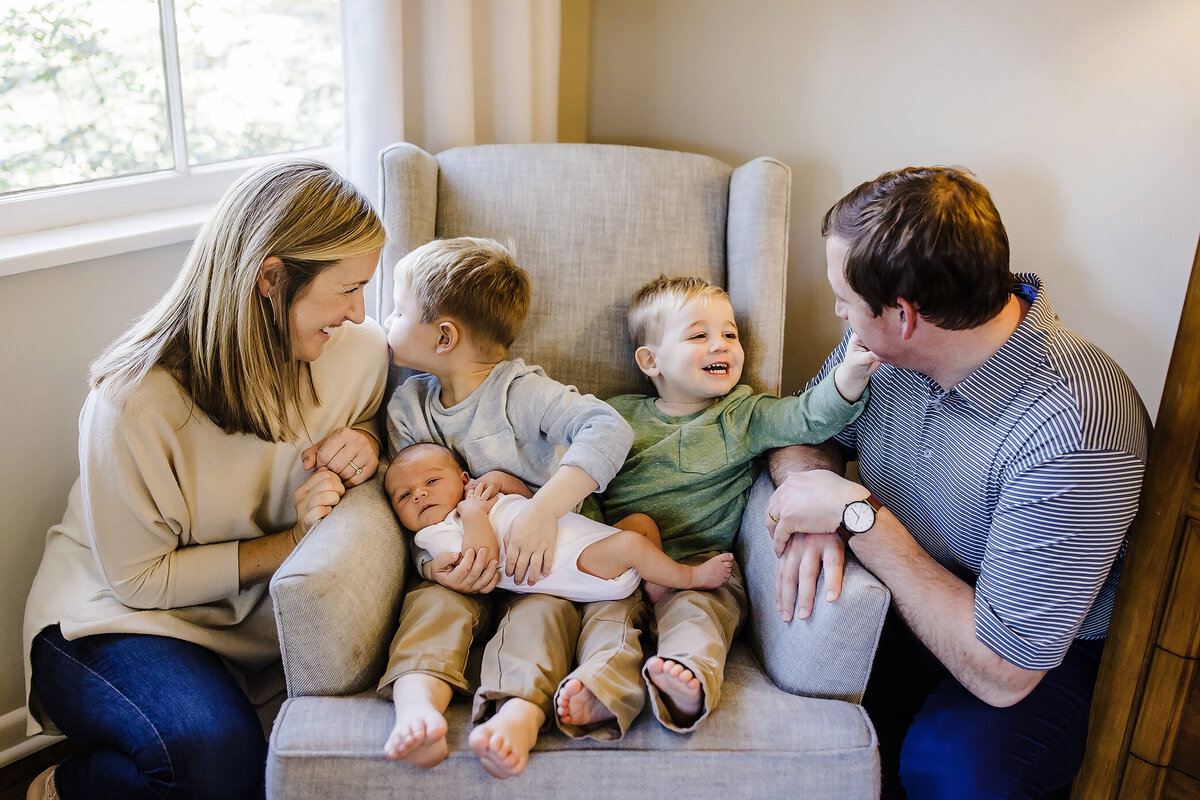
(760, 742)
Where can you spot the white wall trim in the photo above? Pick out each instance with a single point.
(48, 228)
(13, 741)
(45, 249)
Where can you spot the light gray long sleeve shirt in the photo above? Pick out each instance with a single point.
(518, 420)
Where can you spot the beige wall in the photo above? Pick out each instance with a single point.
(1083, 118)
(53, 322)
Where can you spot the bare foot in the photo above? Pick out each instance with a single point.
(712, 573)
(419, 735)
(576, 705)
(42, 787)
(680, 689)
(654, 591)
(504, 741)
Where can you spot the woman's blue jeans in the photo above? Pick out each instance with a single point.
(937, 741)
(157, 717)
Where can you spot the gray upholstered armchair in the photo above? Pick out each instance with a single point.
(590, 223)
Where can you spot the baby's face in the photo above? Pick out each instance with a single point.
(424, 488)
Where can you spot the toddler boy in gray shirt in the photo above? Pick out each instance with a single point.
(459, 304)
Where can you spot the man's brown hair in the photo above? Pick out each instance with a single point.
(930, 235)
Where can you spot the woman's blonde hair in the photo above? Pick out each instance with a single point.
(655, 301)
(228, 345)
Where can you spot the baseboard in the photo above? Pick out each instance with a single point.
(13, 741)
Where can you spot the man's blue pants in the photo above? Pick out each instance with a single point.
(937, 741)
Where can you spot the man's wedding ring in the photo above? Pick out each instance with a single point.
(773, 517)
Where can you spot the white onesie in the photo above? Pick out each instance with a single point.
(566, 579)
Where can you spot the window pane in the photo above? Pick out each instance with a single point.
(82, 94)
(259, 76)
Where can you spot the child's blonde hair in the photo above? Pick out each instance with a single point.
(661, 297)
(474, 281)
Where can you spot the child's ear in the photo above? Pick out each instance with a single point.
(646, 361)
(448, 336)
(268, 275)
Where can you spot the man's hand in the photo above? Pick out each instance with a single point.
(809, 502)
(349, 453)
(801, 514)
(472, 573)
(804, 557)
(529, 544)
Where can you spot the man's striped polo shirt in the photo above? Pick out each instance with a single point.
(1022, 480)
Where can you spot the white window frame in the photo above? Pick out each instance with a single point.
(46, 228)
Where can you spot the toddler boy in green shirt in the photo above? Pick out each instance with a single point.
(692, 465)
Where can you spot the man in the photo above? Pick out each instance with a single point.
(1001, 458)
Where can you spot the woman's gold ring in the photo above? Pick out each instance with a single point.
(357, 469)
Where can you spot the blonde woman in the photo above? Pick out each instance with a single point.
(219, 428)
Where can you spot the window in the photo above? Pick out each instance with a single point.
(117, 108)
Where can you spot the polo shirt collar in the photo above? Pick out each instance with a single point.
(992, 387)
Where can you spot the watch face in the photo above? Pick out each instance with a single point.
(858, 516)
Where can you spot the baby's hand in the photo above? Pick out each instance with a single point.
(855, 370)
(479, 499)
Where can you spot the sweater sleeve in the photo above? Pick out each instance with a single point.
(374, 351)
(812, 417)
(406, 416)
(137, 515)
(595, 436)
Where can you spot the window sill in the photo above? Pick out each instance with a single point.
(53, 248)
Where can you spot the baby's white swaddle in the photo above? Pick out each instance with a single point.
(575, 532)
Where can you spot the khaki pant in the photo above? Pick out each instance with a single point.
(696, 629)
(530, 652)
(437, 626)
(609, 654)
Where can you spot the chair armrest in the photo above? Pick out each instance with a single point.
(829, 654)
(337, 596)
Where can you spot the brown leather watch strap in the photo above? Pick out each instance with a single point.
(875, 505)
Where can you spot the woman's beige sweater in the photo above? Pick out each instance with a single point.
(149, 541)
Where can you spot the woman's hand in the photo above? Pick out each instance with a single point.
(349, 453)
(314, 499)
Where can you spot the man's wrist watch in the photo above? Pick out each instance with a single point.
(859, 517)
